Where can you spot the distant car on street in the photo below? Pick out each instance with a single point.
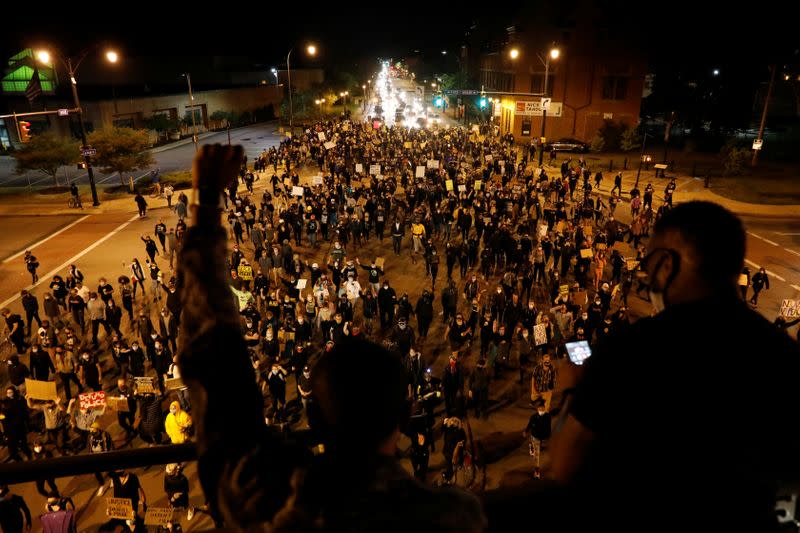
(567, 145)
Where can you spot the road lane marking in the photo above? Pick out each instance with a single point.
(792, 252)
(32, 246)
(779, 233)
(769, 272)
(795, 287)
(763, 239)
(72, 259)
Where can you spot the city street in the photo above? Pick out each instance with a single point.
(254, 138)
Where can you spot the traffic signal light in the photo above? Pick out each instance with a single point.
(24, 131)
(482, 103)
(438, 101)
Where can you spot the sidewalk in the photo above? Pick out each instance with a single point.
(688, 189)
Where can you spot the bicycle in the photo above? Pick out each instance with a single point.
(74, 203)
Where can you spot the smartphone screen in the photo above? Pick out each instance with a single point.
(578, 351)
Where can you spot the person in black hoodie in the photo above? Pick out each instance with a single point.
(15, 424)
(424, 312)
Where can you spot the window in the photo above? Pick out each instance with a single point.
(615, 87)
(537, 82)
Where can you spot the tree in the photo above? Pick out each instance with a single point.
(734, 157)
(121, 150)
(630, 139)
(162, 124)
(46, 152)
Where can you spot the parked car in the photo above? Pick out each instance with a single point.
(567, 145)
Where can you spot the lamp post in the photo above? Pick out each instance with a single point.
(641, 160)
(191, 110)
(44, 57)
(554, 53)
(310, 50)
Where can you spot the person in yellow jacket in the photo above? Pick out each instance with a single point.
(177, 424)
(417, 234)
(245, 272)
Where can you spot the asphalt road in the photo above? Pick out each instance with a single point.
(254, 138)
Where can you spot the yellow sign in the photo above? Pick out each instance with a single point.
(158, 516)
(41, 390)
(449, 185)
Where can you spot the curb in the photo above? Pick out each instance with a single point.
(182, 142)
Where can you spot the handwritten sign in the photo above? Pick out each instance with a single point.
(379, 262)
(586, 253)
(316, 180)
(478, 185)
(449, 185)
(462, 188)
(41, 390)
(374, 169)
(789, 309)
(631, 263)
(301, 284)
(743, 280)
(359, 168)
(321, 136)
(119, 508)
(144, 385)
(159, 516)
(297, 191)
(328, 145)
(420, 172)
(118, 403)
(563, 290)
(92, 400)
(539, 334)
(174, 384)
(432, 163)
(407, 144)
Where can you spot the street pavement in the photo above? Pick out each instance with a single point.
(104, 243)
(168, 158)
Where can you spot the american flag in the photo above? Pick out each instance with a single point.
(34, 88)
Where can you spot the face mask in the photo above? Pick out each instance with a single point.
(307, 374)
(402, 326)
(154, 335)
(541, 413)
(37, 449)
(585, 316)
(10, 395)
(173, 411)
(85, 357)
(34, 350)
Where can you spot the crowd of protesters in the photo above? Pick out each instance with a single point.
(541, 260)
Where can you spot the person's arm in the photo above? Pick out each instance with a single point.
(225, 398)
(25, 511)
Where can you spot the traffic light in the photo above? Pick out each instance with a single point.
(482, 103)
(24, 131)
(439, 101)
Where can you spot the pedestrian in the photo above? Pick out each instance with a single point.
(15, 424)
(39, 453)
(543, 381)
(169, 190)
(538, 430)
(141, 204)
(178, 424)
(31, 263)
(176, 487)
(479, 389)
(15, 517)
(16, 330)
(760, 281)
(73, 190)
(31, 306)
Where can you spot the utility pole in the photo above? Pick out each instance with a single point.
(84, 144)
(641, 160)
(191, 110)
(764, 113)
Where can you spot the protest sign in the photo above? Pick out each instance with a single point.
(117, 403)
(119, 508)
(41, 390)
(420, 172)
(478, 185)
(743, 280)
(586, 253)
(563, 290)
(539, 334)
(143, 385)
(790, 308)
(601, 246)
(374, 169)
(297, 191)
(359, 168)
(449, 185)
(301, 284)
(321, 135)
(379, 262)
(462, 188)
(328, 145)
(158, 516)
(92, 400)
(316, 180)
(631, 263)
(174, 384)
(407, 144)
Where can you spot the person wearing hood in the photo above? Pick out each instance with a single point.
(15, 424)
(178, 424)
(176, 486)
(17, 371)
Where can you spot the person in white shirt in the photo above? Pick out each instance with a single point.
(353, 290)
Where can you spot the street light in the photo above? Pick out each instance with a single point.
(553, 54)
(514, 53)
(310, 50)
(191, 103)
(44, 57)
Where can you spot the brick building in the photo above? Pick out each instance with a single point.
(596, 77)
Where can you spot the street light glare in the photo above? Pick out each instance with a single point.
(112, 56)
(554, 53)
(312, 50)
(716, 72)
(444, 52)
(43, 56)
(514, 53)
